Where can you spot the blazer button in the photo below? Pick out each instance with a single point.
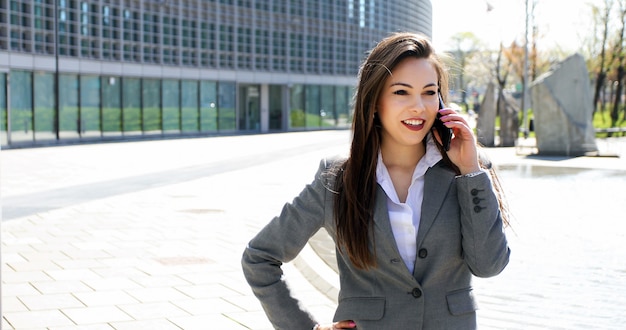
(475, 192)
(422, 253)
(416, 293)
(477, 200)
(477, 209)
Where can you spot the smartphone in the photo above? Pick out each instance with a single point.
(444, 132)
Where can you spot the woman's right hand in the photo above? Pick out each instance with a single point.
(348, 324)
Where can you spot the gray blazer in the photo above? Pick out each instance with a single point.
(460, 234)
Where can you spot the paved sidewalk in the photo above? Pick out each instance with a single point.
(148, 235)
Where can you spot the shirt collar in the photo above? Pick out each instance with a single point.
(430, 158)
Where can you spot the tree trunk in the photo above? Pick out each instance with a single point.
(596, 94)
(617, 100)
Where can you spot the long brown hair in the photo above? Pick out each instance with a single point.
(356, 184)
(356, 180)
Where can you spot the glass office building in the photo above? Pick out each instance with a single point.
(73, 71)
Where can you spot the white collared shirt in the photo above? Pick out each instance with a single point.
(405, 217)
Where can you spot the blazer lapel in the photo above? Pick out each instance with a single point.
(437, 181)
(386, 246)
(381, 218)
(386, 243)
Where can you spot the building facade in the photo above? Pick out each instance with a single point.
(82, 71)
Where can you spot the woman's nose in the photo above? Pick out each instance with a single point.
(418, 104)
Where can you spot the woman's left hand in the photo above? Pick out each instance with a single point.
(348, 324)
(463, 152)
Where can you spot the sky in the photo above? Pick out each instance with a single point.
(562, 23)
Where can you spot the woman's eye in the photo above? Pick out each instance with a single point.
(431, 92)
(400, 92)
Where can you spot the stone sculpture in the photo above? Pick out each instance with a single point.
(562, 108)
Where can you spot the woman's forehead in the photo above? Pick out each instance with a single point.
(413, 68)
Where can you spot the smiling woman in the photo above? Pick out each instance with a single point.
(409, 100)
(411, 222)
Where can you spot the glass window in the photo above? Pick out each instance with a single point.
(44, 106)
(262, 42)
(68, 106)
(171, 105)
(297, 52)
(208, 106)
(276, 107)
(189, 109)
(244, 47)
(90, 106)
(207, 41)
(189, 41)
(151, 106)
(111, 106)
(21, 116)
(4, 138)
(297, 7)
(342, 106)
(226, 46)
(312, 49)
(280, 51)
(312, 106)
(327, 110)
(226, 106)
(296, 115)
(131, 113)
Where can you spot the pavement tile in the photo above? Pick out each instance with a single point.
(5, 324)
(72, 274)
(52, 287)
(43, 265)
(207, 291)
(218, 321)
(146, 295)
(14, 257)
(250, 320)
(147, 281)
(103, 326)
(245, 302)
(33, 256)
(7, 247)
(111, 283)
(153, 310)
(124, 271)
(105, 298)
(25, 240)
(95, 315)
(155, 324)
(80, 254)
(18, 289)
(50, 302)
(11, 276)
(36, 319)
(205, 306)
(78, 264)
(124, 261)
(12, 304)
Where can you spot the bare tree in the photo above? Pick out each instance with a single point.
(619, 61)
(465, 45)
(601, 74)
(501, 73)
